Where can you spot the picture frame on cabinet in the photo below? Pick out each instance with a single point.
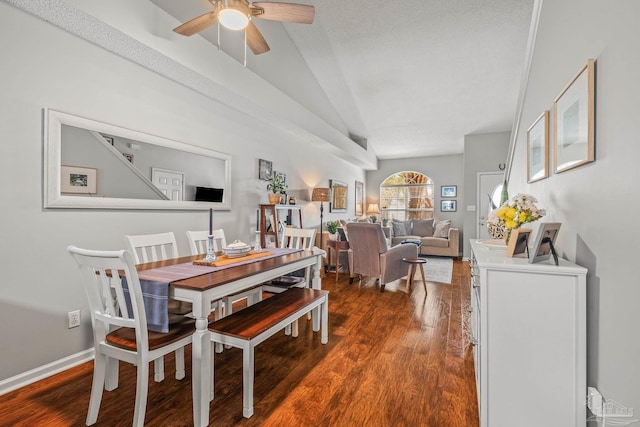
(573, 121)
(518, 242)
(538, 149)
(543, 247)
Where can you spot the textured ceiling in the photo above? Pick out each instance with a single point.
(413, 77)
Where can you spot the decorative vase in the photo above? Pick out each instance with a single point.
(333, 236)
(274, 199)
(497, 231)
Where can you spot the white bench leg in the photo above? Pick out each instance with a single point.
(180, 372)
(158, 369)
(113, 371)
(247, 380)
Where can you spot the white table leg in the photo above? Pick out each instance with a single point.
(324, 337)
(316, 283)
(201, 371)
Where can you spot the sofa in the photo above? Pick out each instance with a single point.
(436, 237)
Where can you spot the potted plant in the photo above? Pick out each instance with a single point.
(332, 228)
(277, 186)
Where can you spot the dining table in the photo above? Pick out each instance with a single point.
(210, 284)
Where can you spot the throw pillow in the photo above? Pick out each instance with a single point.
(423, 227)
(441, 229)
(399, 228)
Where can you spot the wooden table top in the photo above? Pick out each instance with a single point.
(229, 274)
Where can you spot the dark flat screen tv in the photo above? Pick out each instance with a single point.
(208, 194)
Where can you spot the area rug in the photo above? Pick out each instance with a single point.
(438, 270)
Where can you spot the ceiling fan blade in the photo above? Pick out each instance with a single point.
(255, 41)
(287, 12)
(196, 25)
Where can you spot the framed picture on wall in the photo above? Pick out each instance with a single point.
(449, 191)
(448, 205)
(538, 149)
(78, 180)
(338, 196)
(265, 169)
(359, 198)
(573, 119)
(281, 175)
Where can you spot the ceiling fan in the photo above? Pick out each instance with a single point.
(238, 15)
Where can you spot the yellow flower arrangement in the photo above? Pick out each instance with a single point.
(512, 214)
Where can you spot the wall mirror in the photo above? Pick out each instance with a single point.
(338, 196)
(90, 164)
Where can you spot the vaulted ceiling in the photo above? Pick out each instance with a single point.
(411, 77)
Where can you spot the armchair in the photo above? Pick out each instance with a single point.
(371, 256)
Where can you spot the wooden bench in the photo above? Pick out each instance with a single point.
(249, 327)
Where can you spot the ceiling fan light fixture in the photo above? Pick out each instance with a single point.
(233, 19)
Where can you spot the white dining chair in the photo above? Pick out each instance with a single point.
(198, 241)
(294, 238)
(152, 247)
(157, 247)
(121, 333)
(198, 245)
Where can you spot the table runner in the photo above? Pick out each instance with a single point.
(155, 285)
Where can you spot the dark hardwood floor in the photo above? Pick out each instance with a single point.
(393, 359)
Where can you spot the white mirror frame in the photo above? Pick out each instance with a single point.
(53, 198)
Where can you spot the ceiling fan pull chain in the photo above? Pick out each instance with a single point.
(245, 48)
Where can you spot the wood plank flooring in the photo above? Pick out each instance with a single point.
(393, 359)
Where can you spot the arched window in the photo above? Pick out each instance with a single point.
(406, 196)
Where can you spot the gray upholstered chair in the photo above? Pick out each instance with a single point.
(370, 255)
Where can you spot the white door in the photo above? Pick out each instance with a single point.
(170, 183)
(487, 199)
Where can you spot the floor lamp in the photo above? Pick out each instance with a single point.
(320, 195)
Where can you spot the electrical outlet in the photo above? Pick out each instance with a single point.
(74, 319)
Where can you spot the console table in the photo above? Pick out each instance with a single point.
(530, 340)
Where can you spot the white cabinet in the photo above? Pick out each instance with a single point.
(529, 335)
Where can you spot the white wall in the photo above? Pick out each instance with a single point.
(595, 203)
(47, 67)
(482, 153)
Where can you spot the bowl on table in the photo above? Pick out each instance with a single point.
(237, 249)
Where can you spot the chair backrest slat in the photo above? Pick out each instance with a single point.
(298, 238)
(198, 241)
(152, 247)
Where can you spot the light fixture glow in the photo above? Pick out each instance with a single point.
(233, 19)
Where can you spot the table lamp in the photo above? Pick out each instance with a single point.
(372, 211)
(320, 195)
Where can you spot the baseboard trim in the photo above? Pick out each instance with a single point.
(41, 372)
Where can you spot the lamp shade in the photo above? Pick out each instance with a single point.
(320, 195)
(373, 208)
